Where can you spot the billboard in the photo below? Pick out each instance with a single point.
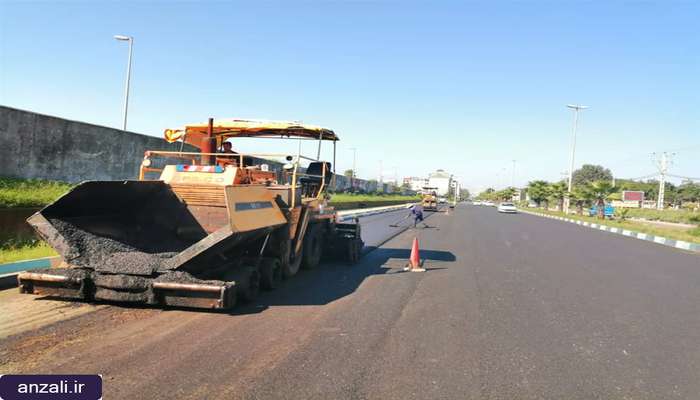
(632, 195)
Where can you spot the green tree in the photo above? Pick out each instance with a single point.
(689, 192)
(506, 194)
(580, 197)
(464, 193)
(558, 192)
(589, 173)
(538, 191)
(599, 191)
(349, 173)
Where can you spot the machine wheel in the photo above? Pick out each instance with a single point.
(290, 265)
(270, 273)
(249, 291)
(313, 247)
(355, 250)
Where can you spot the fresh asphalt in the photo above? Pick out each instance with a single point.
(511, 307)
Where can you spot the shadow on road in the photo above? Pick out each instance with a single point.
(333, 281)
(329, 282)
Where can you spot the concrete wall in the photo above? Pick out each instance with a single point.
(39, 146)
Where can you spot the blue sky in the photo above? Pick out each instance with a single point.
(463, 86)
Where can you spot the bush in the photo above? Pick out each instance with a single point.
(622, 213)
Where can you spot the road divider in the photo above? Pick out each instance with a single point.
(678, 244)
(365, 212)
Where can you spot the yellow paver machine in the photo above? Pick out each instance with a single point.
(211, 228)
(430, 199)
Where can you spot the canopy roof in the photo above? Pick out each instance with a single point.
(253, 128)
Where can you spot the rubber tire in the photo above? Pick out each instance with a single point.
(289, 267)
(355, 250)
(313, 247)
(250, 291)
(270, 273)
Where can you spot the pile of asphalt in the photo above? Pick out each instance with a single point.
(105, 254)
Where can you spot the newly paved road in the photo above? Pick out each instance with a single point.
(511, 307)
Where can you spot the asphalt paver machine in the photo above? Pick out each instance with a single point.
(198, 229)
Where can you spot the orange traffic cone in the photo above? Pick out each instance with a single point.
(414, 262)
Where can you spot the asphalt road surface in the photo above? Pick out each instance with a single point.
(511, 307)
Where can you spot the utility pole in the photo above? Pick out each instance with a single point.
(129, 39)
(512, 176)
(576, 109)
(354, 174)
(662, 164)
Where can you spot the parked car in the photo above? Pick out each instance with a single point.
(476, 202)
(609, 211)
(507, 208)
(489, 204)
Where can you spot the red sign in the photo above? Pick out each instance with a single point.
(632, 195)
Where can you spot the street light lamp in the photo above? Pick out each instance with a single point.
(576, 109)
(128, 73)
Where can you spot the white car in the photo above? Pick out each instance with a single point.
(489, 203)
(477, 203)
(507, 208)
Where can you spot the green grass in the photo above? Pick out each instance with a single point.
(688, 235)
(15, 193)
(347, 201)
(369, 198)
(25, 252)
(679, 216)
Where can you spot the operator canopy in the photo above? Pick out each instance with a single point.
(225, 128)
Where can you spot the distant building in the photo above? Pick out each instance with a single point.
(517, 195)
(415, 183)
(440, 180)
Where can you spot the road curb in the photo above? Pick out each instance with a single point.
(365, 212)
(678, 244)
(9, 271)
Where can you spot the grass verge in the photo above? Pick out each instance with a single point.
(346, 201)
(678, 216)
(25, 252)
(688, 235)
(15, 193)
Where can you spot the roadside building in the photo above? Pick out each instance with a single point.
(415, 183)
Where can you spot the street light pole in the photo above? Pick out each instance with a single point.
(354, 174)
(354, 154)
(576, 109)
(128, 74)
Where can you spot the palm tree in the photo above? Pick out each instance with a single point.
(579, 196)
(558, 192)
(600, 191)
(538, 191)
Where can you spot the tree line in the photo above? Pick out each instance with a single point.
(594, 184)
